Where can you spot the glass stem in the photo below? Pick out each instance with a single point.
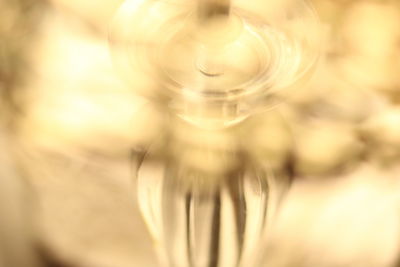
(210, 9)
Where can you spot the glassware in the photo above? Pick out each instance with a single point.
(210, 64)
(204, 200)
(219, 70)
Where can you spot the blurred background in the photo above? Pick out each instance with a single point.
(68, 124)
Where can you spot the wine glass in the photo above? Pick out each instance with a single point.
(210, 64)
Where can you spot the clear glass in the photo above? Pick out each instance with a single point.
(216, 71)
(204, 199)
(210, 64)
(203, 227)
